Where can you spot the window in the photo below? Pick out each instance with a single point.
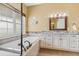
(10, 22)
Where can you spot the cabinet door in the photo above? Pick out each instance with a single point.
(74, 42)
(48, 41)
(65, 42)
(56, 41)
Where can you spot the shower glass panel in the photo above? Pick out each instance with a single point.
(10, 30)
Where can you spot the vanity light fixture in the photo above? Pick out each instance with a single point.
(58, 15)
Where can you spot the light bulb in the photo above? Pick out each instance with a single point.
(51, 15)
(55, 15)
(60, 15)
(34, 18)
(64, 14)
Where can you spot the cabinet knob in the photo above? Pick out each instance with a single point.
(60, 39)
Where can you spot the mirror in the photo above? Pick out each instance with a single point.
(58, 23)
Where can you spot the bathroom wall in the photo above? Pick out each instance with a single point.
(42, 12)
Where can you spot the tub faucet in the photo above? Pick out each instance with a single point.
(23, 45)
(28, 43)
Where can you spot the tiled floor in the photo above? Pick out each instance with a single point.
(47, 52)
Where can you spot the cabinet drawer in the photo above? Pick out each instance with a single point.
(74, 47)
(73, 43)
(74, 40)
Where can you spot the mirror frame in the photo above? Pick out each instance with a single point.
(65, 18)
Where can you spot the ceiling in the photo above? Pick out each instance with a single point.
(32, 4)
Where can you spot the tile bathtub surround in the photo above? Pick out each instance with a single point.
(47, 33)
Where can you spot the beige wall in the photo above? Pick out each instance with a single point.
(41, 12)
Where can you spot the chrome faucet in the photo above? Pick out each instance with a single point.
(28, 43)
(23, 45)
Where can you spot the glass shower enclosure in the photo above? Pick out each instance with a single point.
(11, 23)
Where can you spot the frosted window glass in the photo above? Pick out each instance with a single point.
(10, 28)
(10, 19)
(18, 28)
(3, 27)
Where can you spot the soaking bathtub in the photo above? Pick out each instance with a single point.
(13, 47)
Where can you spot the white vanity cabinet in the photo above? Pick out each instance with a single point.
(62, 41)
(67, 42)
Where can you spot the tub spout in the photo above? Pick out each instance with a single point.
(28, 43)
